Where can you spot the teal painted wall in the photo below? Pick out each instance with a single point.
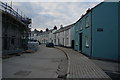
(86, 33)
(105, 44)
(76, 37)
(119, 32)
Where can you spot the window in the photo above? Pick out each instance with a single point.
(55, 35)
(63, 41)
(87, 22)
(67, 33)
(13, 40)
(76, 26)
(63, 32)
(5, 40)
(86, 41)
(81, 25)
(76, 44)
(76, 30)
(67, 41)
(55, 41)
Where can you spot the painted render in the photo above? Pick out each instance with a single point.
(64, 36)
(101, 31)
(0, 33)
(105, 43)
(46, 36)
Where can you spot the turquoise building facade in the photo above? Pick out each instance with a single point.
(97, 32)
(83, 33)
(119, 33)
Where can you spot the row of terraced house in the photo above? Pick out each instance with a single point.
(95, 34)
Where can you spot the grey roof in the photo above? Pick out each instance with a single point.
(46, 32)
(64, 28)
(89, 10)
(33, 32)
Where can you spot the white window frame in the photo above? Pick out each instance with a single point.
(76, 44)
(81, 25)
(76, 27)
(86, 41)
(87, 22)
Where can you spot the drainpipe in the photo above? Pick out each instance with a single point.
(118, 34)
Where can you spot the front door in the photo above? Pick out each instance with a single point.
(72, 44)
(80, 46)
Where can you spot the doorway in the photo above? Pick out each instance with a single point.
(72, 45)
(80, 38)
(5, 42)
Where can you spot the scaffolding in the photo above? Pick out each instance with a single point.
(5, 7)
(15, 30)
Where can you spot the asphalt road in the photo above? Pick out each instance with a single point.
(41, 64)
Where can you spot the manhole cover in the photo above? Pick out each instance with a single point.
(22, 73)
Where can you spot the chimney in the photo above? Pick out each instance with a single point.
(41, 31)
(61, 26)
(55, 27)
(88, 10)
(47, 29)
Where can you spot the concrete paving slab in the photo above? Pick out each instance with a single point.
(82, 67)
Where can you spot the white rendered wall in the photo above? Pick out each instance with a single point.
(0, 44)
(0, 33)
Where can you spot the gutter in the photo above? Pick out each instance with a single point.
(68, 69)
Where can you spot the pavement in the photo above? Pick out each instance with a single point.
(109, 67)
(41, 64)
(0, 68)
(82, 67)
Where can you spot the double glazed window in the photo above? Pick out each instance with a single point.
(87, 22)
(81, 24)
(76, 27)
(86, 41)
(13, 40)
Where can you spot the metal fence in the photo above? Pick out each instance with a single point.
(5, 7)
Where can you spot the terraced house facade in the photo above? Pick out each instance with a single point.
(96, 32)
(47, 36)
(64, 36)
(14, 30)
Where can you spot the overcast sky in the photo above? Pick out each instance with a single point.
(47, 14)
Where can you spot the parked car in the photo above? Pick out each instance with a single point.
(34, 46)
(49, 45)
(35, 41)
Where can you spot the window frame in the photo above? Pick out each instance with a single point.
(86, 21)
(86, 42)
(81, 25)
(13, 40)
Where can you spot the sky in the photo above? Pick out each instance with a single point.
(47, 14)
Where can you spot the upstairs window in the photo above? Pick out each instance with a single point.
(13, 40)
(81, 25)
(54, 35)
(87, 22)
(76, 28)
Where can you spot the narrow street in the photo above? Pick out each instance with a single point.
(51, 39)
(41, 64)
(48, 62)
